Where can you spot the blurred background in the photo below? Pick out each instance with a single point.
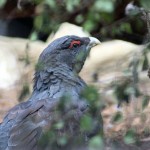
(104, 19)
(117, 68)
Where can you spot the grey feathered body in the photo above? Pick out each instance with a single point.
(49, 86)
(57, 75)
(55, 82)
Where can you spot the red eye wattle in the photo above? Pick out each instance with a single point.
(74, 44)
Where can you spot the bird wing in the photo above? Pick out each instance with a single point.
(23, 125)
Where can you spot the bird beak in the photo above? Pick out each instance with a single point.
(93, 42)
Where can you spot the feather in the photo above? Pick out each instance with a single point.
(23, 125)
(39, 84)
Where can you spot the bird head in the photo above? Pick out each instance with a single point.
(70, 51)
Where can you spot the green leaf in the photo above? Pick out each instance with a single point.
(33, 36)
(104, 6)
(96, 143)
(39, 66)
(59, 125)
(90, 93)
(130, 138)
(126, 27)
(38, 1)
(70, 4)
(130, 90)
(79, 18)
(145, 62)
(2, 3)
(51, 3)
(145, 4)
(89, 25)
(38, 22)
(62, 140)
(65, 102)
(145, 102)
(46, 138)
(86, 123)
(117, 117)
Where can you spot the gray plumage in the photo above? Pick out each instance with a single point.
(56, 75)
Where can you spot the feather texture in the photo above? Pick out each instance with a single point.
(24, 124)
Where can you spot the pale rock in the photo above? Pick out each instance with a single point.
(68, 29)
(12, 51)
(110, 57)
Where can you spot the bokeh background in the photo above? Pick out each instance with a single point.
(105, 19)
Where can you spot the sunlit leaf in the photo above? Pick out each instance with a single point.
(71, 4)
(145, 101)
(89, 25)
(130, 138)
(130, 90)
(117, 117)
(62, 140)
(91, 94)
(38, 21)
(86, 123)
(65, 102)
(33, 36)
(2, 2)
(126, 27)
(39, 66)
(51, 3)
(96, 143)
(145, 4)
(59, 125)
(79, 18)
(37, 1)
(104, 5)
(145, 62)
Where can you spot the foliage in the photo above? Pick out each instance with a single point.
(89, 126)
(102, 18)
(96, 143)
(145, 101)
(145, 4)
(129, 137)
(96, 16)
(117, 117)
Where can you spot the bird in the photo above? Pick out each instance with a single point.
(56, 78)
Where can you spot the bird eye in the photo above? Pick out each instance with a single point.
(75, 44)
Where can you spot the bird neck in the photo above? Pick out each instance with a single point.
(44, 79)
